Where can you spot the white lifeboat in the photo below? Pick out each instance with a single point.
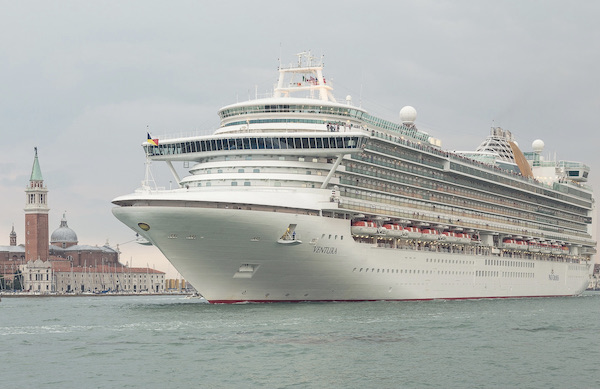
(509, 243)
(430, 234)
(394, 230)
(533, 246)
(463, 238)
(521, 245)
(449, 236)
(556, 248)
(413, 232)
(364, 228)
(545, 248)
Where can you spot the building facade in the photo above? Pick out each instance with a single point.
(46, 277)
(57, 263)
(36, 215)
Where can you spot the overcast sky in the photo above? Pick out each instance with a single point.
(82, 81)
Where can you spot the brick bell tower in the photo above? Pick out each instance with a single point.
(36, 215)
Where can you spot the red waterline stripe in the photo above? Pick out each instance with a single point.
(367, 300)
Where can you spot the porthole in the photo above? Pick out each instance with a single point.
(144, 226)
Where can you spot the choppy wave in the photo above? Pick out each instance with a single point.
(169, 342)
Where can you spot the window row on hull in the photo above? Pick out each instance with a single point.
(368, 198)
(344, 111)
(443, 188)
(394, 146)
(449, 197)
(393, 161)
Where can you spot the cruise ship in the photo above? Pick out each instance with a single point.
(300, 197)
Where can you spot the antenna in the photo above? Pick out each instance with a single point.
(360, 96)
(279, 55)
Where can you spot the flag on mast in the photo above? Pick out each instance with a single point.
(153, 142)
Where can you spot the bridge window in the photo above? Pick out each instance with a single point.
(253, 143)
(256, 144)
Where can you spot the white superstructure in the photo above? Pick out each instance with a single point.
(298, 197)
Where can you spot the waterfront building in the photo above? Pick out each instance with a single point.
(59, 276)
(57, 262)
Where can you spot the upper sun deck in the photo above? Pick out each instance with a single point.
(301, 90)
(312, 108)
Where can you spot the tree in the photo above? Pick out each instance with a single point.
(18, 281)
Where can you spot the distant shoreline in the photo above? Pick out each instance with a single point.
(22, 295)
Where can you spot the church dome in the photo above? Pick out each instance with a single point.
(63, 234)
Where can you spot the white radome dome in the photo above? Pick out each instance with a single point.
(538, 145)
(408, 115)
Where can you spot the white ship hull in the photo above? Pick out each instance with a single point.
(232, 255)
(301, 198)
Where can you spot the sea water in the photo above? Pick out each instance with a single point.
(173, 342)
